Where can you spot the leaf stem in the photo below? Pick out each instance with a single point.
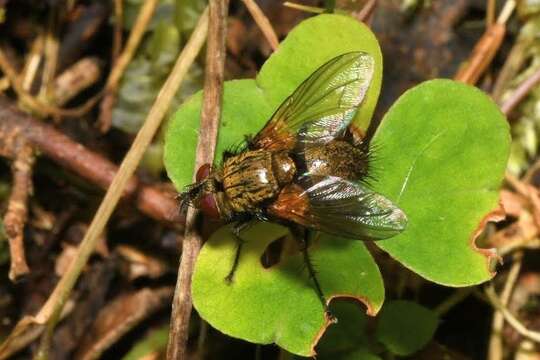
(210, 114)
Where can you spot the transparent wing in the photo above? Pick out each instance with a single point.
(340, 207)
(322, 107)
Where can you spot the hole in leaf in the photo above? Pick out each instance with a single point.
(272, 255)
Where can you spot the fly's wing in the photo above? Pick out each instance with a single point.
(340, 207)
(322, 107)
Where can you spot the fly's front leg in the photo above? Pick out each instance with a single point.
(237, 229)
(304, 236)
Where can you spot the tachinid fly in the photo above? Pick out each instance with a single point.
(304, 167)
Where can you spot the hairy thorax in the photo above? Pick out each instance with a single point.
(254, 177)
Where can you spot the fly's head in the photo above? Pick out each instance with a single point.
(205, 194)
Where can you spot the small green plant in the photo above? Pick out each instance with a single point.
(441, 151)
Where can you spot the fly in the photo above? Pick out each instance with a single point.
(304, 168)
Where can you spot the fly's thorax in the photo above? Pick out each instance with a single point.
(248, 180)
(337, 158)
(284, 167)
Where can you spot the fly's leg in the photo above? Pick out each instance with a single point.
(236, 230)
(303, 236)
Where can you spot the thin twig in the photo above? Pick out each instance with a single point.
(510, 318)
(506, 11)
(118, 30)
(495, 343)
(482, 54)
(33, 59)
(491, 8)
(486, 48)
(365, 13)
(17, 212)
(263, 23)
(51, 56)
(52, 308)
(457, 296)
(306, 8)
(139, 28)
(210, 114)
(520, 93)
(514, 61)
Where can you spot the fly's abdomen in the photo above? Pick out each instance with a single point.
(337, 158)
(248, 180)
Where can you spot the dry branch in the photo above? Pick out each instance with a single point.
(210, 114)
(82, 161)
(17, 211)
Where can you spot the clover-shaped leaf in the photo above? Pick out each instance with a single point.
(442, 150)
(278, 304)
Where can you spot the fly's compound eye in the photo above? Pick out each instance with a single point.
(208, 205)
(203, 172)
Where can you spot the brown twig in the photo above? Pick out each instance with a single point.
(118, 31)
(17, 211)
(139, 28)
(491, 8)
(514, 61)
(85, 163)
(520, 93)
(486, 48)
(263, 23)
(482, 55)
(367, 11)
(75, 79)
(50, 312)
(210, 114)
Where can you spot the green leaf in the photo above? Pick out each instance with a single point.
(279, 304)
(441, 153)
(348, 338)
(248, 104)
(405, 327)
(155, 342)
